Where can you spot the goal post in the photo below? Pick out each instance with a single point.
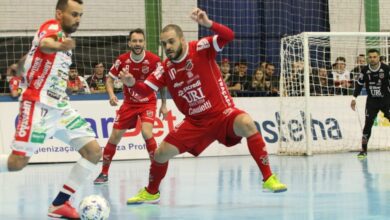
(317, 79)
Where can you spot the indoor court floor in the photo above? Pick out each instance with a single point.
(321, 187)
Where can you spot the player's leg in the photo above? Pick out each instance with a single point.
(371, 111)
(244, 126)
(108, 154)
(126, 118)
(158, 169)
(27, 139)
(75, 131)
(147, 120)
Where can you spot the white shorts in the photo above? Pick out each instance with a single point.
(37, 122)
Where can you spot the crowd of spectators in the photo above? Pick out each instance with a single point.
(264, 81)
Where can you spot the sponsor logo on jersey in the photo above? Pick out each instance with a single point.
(381, 75)
(145, 69)
(224, 92)
(24, 126)
(146, 62)
(202, 44)
(178, 84)
(37, 137)
(45, 72)
(204, 107)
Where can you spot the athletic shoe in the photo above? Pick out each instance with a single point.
(101, 179)
(272, 184)
(144, 196)
(362, 155)
(63, 211)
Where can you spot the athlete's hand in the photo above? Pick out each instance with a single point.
(353, 104)
(113, 100)
(127, 78)
(68, 44)
(163, 111)
(200, 17)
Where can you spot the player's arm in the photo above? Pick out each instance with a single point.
(163, 109)
(51, 45)
(225, 34)
(141, 88)
(110, 90)
(358, 88)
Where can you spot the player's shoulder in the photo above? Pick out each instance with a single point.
(385, 67)
(124, 56)
(151, 55)
(51, 24)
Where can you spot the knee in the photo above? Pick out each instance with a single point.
(17, 163)
(245, 126)
(147, 134)
(115, 137)
(91, 152)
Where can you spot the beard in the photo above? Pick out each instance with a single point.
(176, 54)
(70, 29)
(134, 50)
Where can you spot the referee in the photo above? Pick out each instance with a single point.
(375, 77)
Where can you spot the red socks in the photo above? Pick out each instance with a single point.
(108, 154)
(156, 174)
(257, 149)
(151, 146)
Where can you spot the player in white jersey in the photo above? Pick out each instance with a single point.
(44, 106)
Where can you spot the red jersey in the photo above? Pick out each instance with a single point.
(140, 70)
(195, 82)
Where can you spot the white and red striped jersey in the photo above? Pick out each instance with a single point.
(46, 75)
(140, 70)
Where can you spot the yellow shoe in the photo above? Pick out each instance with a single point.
(144, 197)
(272, 184)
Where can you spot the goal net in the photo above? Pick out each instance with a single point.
(318, 74)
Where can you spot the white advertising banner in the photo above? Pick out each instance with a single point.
(334, 124)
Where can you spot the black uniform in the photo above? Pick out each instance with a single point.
(377, 83)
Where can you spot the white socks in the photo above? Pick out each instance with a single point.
(79, 173)
(4, 163)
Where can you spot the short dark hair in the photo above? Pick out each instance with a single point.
(138, 31)
(373, 51)
(72, 66)
(174, 27)
(97, 63)
(341, 59)
(63, 4)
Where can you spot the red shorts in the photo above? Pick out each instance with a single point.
(127, 115)
(195, 138)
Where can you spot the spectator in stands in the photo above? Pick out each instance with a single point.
(14, 79)
(360, 63)
(226, 72)
(240, 80)
(263, 65)
(76, 83)
(97, 81)
(294, 83)
(272, 78)
(341, 76)
(258, 80)
(322, 83)
(5, 78)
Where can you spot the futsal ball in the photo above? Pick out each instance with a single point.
(94, 207)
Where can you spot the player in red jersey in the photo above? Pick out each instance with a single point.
(194, 81)
(141, 63)
(45, 109)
